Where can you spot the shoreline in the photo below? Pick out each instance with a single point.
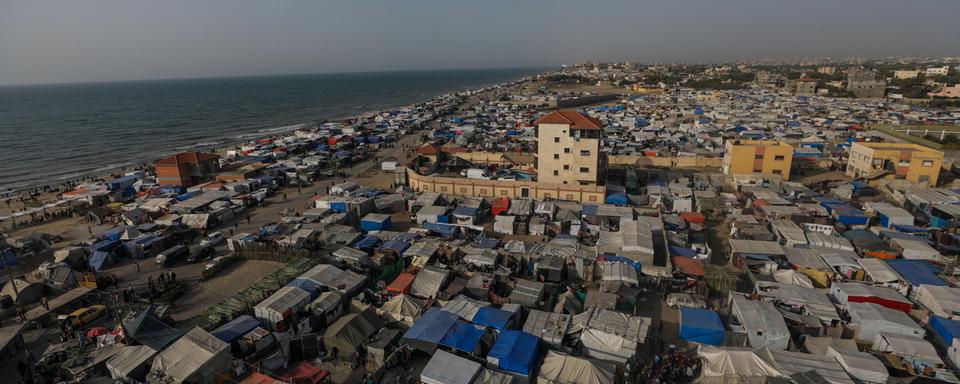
(223, 144)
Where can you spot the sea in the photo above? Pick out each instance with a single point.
(53, 133)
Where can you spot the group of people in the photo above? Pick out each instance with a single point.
(166, 279)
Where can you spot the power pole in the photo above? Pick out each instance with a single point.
(3, 257)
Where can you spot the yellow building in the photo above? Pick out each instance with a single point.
(767, 157)
(568, 149)
(911, 162)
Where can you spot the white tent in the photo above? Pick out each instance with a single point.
(862, 366)
(402, 308)
(912, 347)
(813, 301)
(429, 281)
(942, 301)
(762, 323)
(565, 369)
(734, 365)
(790, 363)
(792, 277)
(504, 224)
(285, 302)
(915, 250)
(196, 357)
(619, 273)
(464, 307)
(609, 335)
(447, 368)
(131, 363)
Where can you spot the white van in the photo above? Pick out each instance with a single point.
(389, 166)
(476, 173)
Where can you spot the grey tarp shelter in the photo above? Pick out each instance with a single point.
(349, 332)
(131, 363)
(196, 357)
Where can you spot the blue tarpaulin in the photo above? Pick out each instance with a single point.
(682, 251)
(343, 154)
(493, 317)
(463, 336)
(376, 223)
(368, 242)
(945, 329)
(116, 232)
(620, 259)
(465, 211)
(916, 272)
(308, 285)
(10, 259)
(515, 351)
(910, 229)
(439, 228)
(701, 326)
(397, 246)
(430, 329)
(98, 260)
(236, 328)
(618, 198)
(486, 242)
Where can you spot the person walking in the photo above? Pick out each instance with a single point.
(137, 264)
(45, 303)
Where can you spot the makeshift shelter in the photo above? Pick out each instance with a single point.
(402, 283)
(147, 329)
(610, 335)
(131, 363)
(304, 373)
(427, 331)
(846, 293)
(495, 318)
(376, 222)
(527, 293)
(861, 366)
(761, 321)
(735, 366)
(464, 307)
(447, 368)
(873, 319)
(914, 350)
(515, 351)
(941, 300)
(402, 308)
(26, 292)
(276, 311)
(812, 301)
(464, 336)
(558, 368)
(701, 326)
(945, 330)
(429, 281)
(232, 331)
(196, 357)
(348, 333)
(328, 306)
(550, 327)
(790, 363)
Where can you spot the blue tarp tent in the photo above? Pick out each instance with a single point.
(701, 326)
(442, 229)
(236, 328)
(463, 336)
(515, 351)
(10, 259)
(98, 260)
(486, 242)
(367, 243)
(397, 246)
(376, 222)
(114, 234)
(916, 272)
(677, 250)
(945, 329)
(430, 329)
(493, 317)
(465, 211)
(618, 198)
(308, 285)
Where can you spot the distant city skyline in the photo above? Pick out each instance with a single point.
(62, 41)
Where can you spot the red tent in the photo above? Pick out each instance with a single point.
(304, 373)
(97, 331)
(259, 378)
(693, 217)
(500, 205)
(402, 284)
(688, 266)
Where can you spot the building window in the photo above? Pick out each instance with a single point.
(777, 172)
(556, 156)
(757, 171)
(900, 177)
(904, 163)
(503, 193)
(584, 152)
(778, 158)
(556, 172)
(927, 163)
(556, 139)
(758, 157)
(566, 167)
(584, 183)
(569, 197)
(566, 150)
(584, 169)
(924, 179)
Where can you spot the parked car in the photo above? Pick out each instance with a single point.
(475, 173)
(200, 252)
(172, 255)
(86, 315)
(213, 238)
(676, 300)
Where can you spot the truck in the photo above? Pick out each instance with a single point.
(475, 173)
(172, 255)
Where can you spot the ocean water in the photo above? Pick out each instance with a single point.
(52, 133)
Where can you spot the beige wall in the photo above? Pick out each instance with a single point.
(776, 158)
(480, 157)
(912, 162)
(512, 189)
(559, 152)
(668, 162)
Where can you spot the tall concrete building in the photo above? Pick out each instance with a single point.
(805, 86)
(765, 157)
(911, 162)
(568, 149)
(863, 83)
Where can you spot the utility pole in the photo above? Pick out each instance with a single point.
(3, 258)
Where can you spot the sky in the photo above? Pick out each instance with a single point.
(55, 41)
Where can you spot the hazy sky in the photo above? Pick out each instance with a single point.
(47, 41)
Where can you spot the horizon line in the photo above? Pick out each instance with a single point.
(291, 74)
